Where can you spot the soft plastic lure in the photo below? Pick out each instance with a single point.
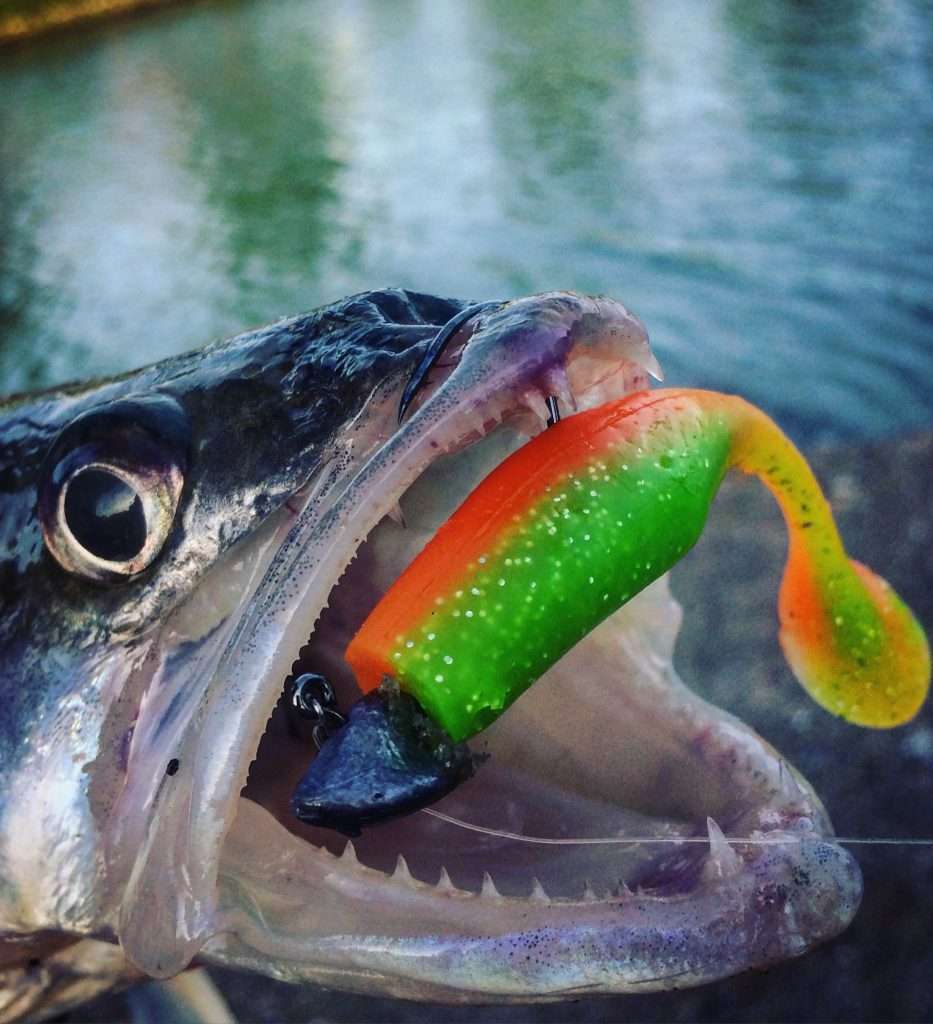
(590, 512)
(559, 536)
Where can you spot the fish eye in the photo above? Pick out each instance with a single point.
(111, 487)
(105, 514)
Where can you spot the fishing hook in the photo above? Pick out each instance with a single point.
(434, 350)
(313, 698)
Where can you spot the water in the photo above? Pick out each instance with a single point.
(754, 180)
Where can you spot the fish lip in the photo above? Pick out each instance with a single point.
(164, 830)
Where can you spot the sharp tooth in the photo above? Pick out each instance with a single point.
(526, 425)
(589, 893)
(538, 895)
(489, 890)
(645, 358)
(788, 779)
(349, 854)
(397, 516)
(476, 422)
(444, 884)
(627, 339)
(640, 355)
(535, 403)
(558, 385)
(401, 873)
(723, 860)
(620, 891)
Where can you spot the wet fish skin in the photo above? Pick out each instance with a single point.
(277, 397)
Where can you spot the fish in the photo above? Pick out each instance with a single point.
(179, 542)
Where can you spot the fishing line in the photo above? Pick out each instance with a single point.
(645, 840)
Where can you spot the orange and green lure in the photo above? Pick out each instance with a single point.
(586, 515)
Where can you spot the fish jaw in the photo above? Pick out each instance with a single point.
(251, 889)
(168, 831)
(707, 905)
(489, 948)
(607, 743)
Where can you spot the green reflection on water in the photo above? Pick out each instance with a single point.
(753, 179)
(263, 146)
(564, 87)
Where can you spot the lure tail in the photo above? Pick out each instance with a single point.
(850, 640)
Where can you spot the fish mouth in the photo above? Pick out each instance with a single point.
(626, 835)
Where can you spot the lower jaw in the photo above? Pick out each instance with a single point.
(619, 748)
(613, 917)
(303, 916)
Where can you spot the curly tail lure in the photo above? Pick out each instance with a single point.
(579, 520)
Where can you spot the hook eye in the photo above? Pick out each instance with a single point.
(313, 697)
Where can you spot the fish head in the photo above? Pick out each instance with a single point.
(148, 749)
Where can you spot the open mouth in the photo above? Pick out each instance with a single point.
(622, 833)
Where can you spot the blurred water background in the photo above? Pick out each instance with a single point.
(754, 179)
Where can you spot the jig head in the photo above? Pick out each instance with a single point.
(388, 760)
